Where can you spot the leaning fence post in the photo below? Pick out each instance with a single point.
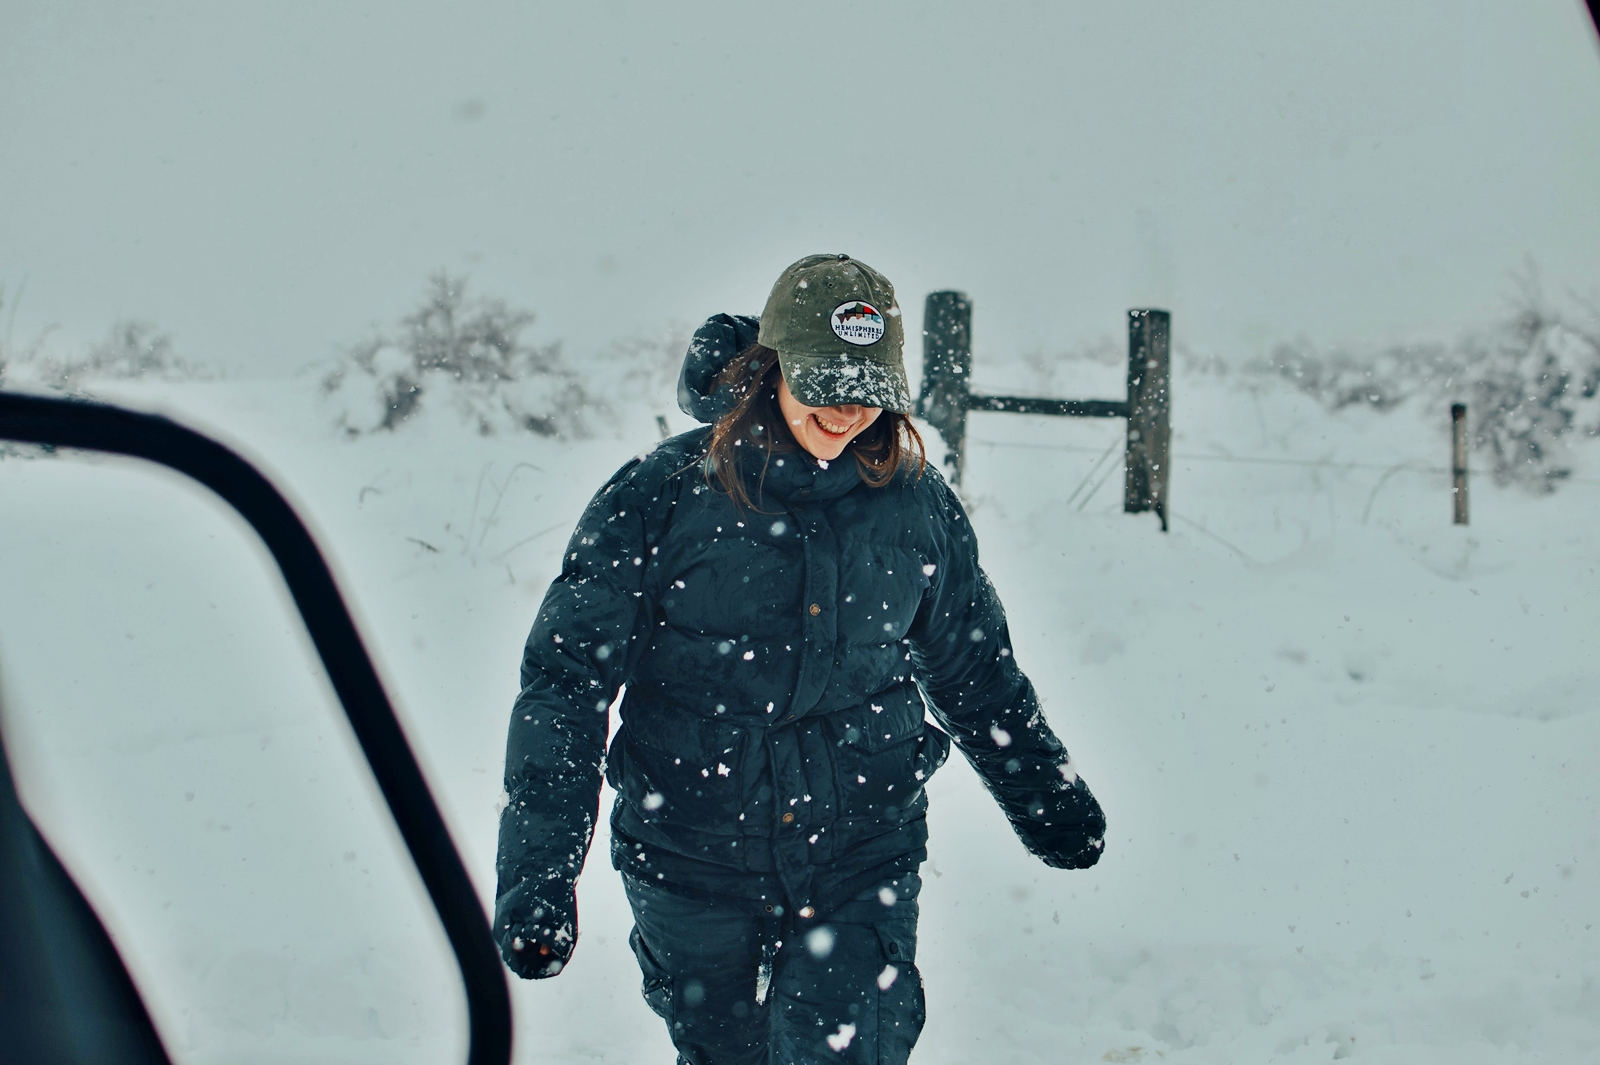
(1149, 422)
(1458, 459)
(947, 372)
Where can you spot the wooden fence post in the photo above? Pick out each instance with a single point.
(1149, 422)
(1458, 460)
(946, 396)
(947, 372)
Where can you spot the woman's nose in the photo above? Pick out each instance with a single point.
(849, 412)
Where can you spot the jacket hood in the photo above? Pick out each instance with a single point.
(713, 346)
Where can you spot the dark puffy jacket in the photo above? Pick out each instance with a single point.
(777, 664)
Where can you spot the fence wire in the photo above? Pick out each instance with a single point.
(1329, 464)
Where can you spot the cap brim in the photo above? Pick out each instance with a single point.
(839, 380)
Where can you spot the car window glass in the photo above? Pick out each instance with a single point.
(175, 738)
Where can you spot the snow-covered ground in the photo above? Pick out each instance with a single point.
(1349, 752)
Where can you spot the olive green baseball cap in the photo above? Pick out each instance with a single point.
(837, 330)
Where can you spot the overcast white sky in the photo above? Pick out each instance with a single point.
(268, 183)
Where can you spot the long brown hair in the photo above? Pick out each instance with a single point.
(756, 423)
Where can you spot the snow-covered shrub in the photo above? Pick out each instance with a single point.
(133, 350)
(1531, 385)
(1340, 379)
(461, 355)
(1531, 389)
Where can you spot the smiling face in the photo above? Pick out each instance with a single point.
(824, 431)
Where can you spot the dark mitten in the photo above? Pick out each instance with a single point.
(1066, 829)
(536, 926)
(1064, 857)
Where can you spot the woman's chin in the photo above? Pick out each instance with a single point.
(827, 451)
(825, 448)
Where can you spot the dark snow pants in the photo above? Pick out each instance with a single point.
(739, 986)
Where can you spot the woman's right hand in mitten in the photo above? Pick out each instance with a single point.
(530, 960)
(536, 936)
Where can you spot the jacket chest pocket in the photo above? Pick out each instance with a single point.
(880, 589)
(738, 587)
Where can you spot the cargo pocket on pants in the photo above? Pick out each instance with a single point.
(657, 986)
(902, 1008)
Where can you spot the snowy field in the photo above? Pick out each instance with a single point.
(1348, 752)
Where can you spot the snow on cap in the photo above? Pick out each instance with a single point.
(838, 333)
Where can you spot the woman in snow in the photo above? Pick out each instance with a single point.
(783, 593)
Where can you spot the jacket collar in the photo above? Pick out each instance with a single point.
(793, 477)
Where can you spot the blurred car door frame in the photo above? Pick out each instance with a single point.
(65, 994)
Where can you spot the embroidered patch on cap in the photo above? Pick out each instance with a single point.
(857, 323)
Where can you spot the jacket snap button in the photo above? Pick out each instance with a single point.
(815, 610)
(769, 907)
(788, 819)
